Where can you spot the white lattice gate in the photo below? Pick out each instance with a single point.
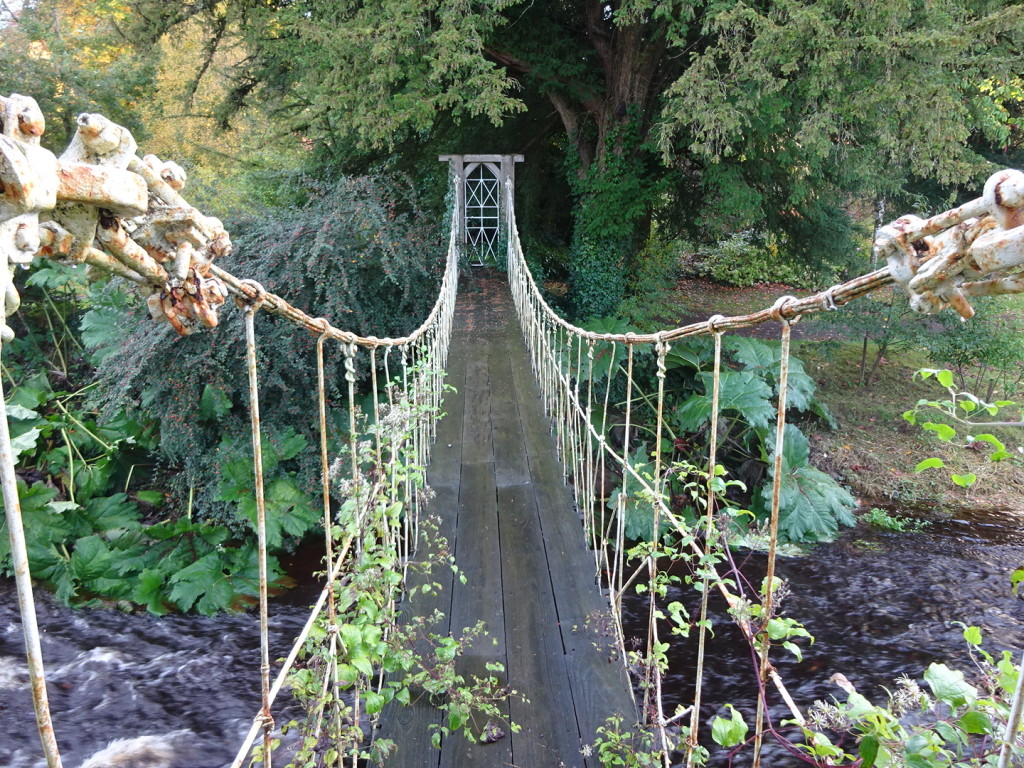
(483, 198)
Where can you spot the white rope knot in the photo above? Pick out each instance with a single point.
(713, 323)
(661, 347)
(779, 306)
(266, 721)
(828, 299)
(255, 303)
(350, 361)
(324, 324)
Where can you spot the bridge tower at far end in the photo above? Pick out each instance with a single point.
(483, 200)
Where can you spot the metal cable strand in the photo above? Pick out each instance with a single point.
(662, 348)
(773, 540)
(325, 482)
(620, 517)
(251, 307)
(23, 585)
(591, 479)
(709, 531)
(331, 674)
(611, 560)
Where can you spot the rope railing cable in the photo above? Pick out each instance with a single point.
(929, 271)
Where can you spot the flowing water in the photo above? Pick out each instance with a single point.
(193, 681)
(880, 605)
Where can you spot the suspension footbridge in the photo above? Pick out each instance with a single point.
(502, 501)
(530, 490)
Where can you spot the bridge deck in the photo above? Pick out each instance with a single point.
(508, 517)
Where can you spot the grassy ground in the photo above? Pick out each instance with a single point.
(875, 450)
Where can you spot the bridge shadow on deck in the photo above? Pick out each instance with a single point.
(509, 518)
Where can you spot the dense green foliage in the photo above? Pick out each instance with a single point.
(97, 522)
(812, 505)
(136, 485)
(710, 116)
(71, 58)
(984, 353)
(954, 723)
(746, 258)
(357, 251)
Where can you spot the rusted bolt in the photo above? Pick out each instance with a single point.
(30, 124)
(26, 238)
(1004, 193)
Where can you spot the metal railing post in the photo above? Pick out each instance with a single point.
(23, 582)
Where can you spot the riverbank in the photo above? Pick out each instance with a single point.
(874, 450)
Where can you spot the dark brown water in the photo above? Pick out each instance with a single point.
(880, 605)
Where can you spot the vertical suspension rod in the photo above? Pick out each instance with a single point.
(23, 583)
(261, 520)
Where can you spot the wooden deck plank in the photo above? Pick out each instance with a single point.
(476, 434)
(511, 465)
(600, 683)
(478, 555)
(537, 668)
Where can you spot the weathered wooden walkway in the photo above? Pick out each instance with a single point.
(505, 509)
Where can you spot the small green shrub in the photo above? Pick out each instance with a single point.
(890, 522)
(813, 504)
(747, 258)
(985, 351)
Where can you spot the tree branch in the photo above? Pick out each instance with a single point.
(571, 121)
(212, 46)
(12, 14)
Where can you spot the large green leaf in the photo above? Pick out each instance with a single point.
(94, 566)
(764, 359)
(214, 403)
(694, 354)
(287, 444)
(729, 732)
(91, 558)
(287, 511)
(25, 442)
(149, 591)
(812, 505)
(112, 514)
(102, 333)
(949, 685)
(639, 522)
(203, 585)
(741, 393)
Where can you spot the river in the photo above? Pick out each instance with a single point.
(193, 681)
(880, 605)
